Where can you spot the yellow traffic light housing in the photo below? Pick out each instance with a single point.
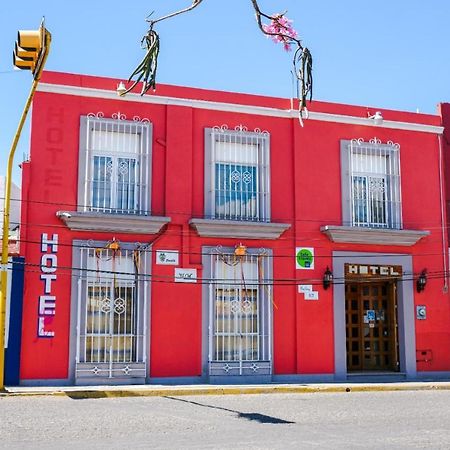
(24, 59)
(31, 48)
(30, 40)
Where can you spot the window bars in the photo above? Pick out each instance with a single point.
(237, 172)
(111, 313)
(240, 312)
(117, 167)
(374, 184)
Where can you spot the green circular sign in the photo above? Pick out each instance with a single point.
(305, 258)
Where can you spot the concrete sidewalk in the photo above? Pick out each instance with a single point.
(83, 392)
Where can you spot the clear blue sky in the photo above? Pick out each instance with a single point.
(385, 53)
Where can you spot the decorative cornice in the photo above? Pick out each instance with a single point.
(233, 107)
(376, 142)
(380, 236)
(116, 223)
(239, 230)
(120, 117)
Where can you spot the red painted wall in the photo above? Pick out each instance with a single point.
(305, 192)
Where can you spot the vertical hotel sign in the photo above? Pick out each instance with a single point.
(48, 274)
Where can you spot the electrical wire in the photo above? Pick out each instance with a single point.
(76, 206)
(272, 256)
(266, 281)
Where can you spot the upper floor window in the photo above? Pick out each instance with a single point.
(371, 184)
(237, 183)
(114, 170)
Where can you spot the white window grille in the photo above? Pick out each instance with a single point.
(237, 174)
(115, 156)
(240, 311)
(374, 184)
(111, 312)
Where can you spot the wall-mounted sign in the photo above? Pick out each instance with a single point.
(313, 295)
(304, 258)
(167, 257)
(372, 271)
(307, 290)
(185, 275)
(302, 288)
(47, 301)
(421, 312)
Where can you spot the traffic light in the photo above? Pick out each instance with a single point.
(30, 49)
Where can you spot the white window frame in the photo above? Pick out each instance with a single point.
(376, 164)
(224, 147)
(97, 147)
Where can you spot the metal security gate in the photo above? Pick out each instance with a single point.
(240, 315)
(112, 306)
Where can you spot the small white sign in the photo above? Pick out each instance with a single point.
(167, 257)
(314, 295)
(302, 288)
(185, 275)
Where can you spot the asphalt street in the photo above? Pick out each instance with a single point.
(374, 420)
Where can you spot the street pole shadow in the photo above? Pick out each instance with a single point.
(256, 417)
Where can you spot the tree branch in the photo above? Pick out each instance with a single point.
(195, 3)
(302, 59)
(259, 15)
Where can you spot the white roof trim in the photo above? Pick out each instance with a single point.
(232, 107)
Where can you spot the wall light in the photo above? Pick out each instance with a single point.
(327, 278)
(121, 89)
(377, 118)
(421, 281)
(240, 250)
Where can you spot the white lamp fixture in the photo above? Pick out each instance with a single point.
(377, 118)
(121, 89)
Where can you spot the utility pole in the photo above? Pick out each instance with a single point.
(30, 53)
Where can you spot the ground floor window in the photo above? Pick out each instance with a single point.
(240, 311)
(111, 312)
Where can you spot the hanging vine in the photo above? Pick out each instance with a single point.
(279, 29)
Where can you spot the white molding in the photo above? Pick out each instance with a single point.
(238, 229)
(392, 124)
(233, 107)
(380, 236)
(126, 223)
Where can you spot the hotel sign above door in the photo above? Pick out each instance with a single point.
(372, 271)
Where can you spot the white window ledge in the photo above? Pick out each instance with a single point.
(123, 223)
(237, 229)
(381, 236)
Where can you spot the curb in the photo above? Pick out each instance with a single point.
(242, 390)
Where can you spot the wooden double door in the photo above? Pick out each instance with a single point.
(371, 326)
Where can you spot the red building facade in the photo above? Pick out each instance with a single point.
(203, 236)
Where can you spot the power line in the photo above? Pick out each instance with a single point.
(273, 256)
(225, 281)
(190, 232)
(190, 215)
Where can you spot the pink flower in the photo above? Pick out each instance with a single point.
(281, 31)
